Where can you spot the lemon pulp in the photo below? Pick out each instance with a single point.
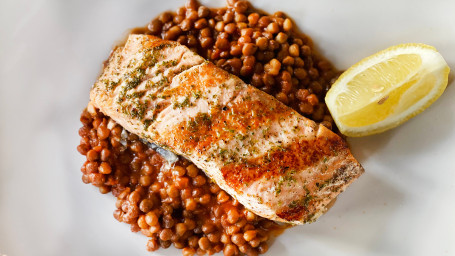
(387, 88)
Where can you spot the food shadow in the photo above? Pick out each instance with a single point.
(371, 203)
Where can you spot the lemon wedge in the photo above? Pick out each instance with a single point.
(386, 89)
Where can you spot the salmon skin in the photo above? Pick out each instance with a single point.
(277, 163)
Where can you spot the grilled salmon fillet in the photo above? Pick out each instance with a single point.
(277, 163)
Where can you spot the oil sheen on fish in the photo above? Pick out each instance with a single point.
(277, 163)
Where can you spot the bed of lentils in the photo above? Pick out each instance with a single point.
(180, 205)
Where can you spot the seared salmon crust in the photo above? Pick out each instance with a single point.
(277, 163)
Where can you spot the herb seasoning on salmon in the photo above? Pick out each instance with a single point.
(277, 163)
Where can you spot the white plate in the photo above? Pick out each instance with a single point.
(51, 52)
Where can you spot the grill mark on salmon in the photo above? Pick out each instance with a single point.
(281, 161)
(275, 162)
(229, 122)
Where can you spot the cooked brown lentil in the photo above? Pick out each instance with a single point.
(177, 205)
(181, 205)
(258, 47)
